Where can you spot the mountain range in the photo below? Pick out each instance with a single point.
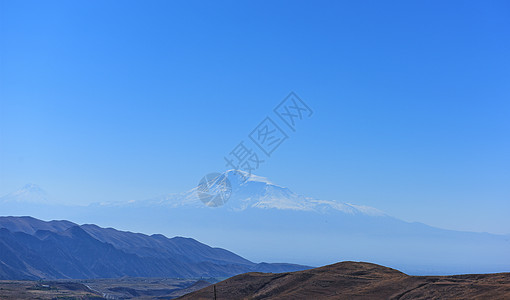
(35, 249)
(267, 222)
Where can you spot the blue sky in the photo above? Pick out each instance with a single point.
(113, 101)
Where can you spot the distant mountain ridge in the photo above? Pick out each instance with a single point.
(35, 249)
(30, 225)
(248, 191)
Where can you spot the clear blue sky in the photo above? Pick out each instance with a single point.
(112, 101)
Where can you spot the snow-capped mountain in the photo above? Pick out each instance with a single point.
(251, 191)
(248, 191)
(29, 193)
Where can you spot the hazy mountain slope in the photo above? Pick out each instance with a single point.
(20, 262)
(317, 238)
(356, 280)
(158, 245)
(106, 253)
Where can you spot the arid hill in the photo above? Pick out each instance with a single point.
(357, 280)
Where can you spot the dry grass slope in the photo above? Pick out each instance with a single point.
(357, 280)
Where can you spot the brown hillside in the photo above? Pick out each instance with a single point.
(357, 280)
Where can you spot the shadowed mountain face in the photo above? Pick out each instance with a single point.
(34, 249)
(357, 280)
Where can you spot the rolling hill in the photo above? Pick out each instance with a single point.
(357, 280)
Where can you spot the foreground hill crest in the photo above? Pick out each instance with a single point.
(357, 280)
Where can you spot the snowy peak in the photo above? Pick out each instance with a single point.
(250, 191)
(29, 193)
(237, 177)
